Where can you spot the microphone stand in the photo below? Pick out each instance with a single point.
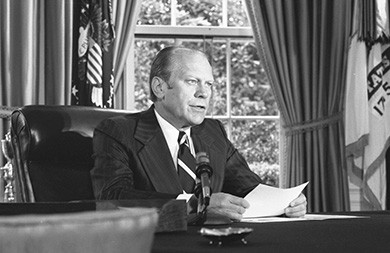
(202, 189)
(201, 214)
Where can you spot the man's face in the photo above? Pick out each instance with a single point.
(188, 91)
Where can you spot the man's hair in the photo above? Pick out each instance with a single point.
(164, 63)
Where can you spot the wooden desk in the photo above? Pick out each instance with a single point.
(338, 235)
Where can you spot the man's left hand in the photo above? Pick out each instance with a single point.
(297, 207)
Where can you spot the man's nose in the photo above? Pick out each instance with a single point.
(203, 90)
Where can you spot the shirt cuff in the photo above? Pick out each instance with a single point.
(185, 196)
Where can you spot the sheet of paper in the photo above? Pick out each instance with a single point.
(307, 217)
(266, 200)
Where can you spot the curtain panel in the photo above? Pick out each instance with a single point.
(125, 14)
(36, 44)
(35, 54)
(303, 45)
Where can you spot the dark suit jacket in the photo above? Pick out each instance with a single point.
(133, 161)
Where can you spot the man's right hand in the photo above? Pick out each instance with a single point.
(227, 205)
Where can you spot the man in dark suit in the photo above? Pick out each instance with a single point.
(136, 155)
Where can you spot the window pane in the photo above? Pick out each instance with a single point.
(155, 12)
(258, 142)
(251, 92)
(199, 13)
(237, 13)
(218, 102)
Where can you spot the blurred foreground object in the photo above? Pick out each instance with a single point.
(130, 230)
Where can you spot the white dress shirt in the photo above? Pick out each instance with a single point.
(171, 135)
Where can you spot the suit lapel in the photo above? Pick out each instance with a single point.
(155, 155)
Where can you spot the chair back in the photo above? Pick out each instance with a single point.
(53, 151)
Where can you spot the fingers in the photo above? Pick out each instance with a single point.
(298, 201)
(231, 214)
(297, 207)
(234, 207)
(228, 205)
(239, 202)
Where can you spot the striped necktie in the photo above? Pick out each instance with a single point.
(186, 164)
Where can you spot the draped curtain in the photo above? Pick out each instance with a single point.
(125, 14)
(35, 54)
(303, 45)
(36, 44)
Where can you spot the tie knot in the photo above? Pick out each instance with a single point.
(182, 137)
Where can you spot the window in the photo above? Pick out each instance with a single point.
(242, 98)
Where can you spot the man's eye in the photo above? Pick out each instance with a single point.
(210, 84)
(192, 82)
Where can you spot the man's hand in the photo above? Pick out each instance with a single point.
(297, 207)
(227, 205)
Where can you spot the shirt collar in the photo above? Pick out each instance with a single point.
(171, 135)
(170, 132)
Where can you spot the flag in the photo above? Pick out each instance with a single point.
(93, 79)
(356, 110)
(378, 91)
(367, 115)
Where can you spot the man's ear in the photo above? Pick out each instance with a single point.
(158, 87)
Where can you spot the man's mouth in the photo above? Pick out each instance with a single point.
(199, 107)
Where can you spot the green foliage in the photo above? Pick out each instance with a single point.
(268, 173)
(236, 13)
(206, 12)
(257, 140)
(251, 92)
(155, 12)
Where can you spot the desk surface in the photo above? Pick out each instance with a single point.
(371, 234)
(338, 235)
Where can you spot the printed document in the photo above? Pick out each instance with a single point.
(268, 201)
(307, 217)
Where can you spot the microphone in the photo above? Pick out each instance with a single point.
(203, 172)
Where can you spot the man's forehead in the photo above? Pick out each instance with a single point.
(193, 64)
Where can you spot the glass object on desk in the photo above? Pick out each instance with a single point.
(219, 236)
(7, 171)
